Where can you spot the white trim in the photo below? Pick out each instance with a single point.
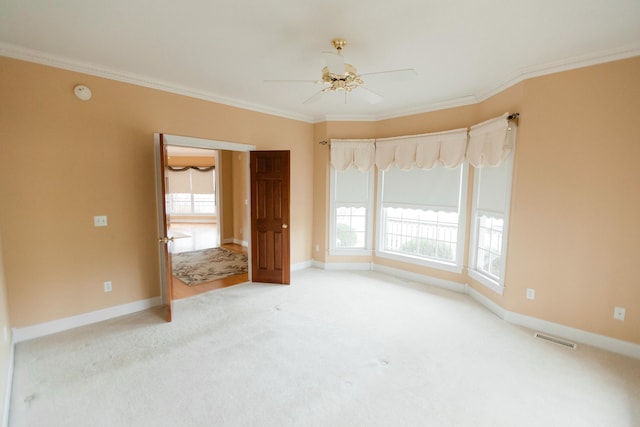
(318, 264)
(485, 302)
(211, 144)
(59, 325)
(301, 265)
(566, 332)
(438, 106)
(596, 340)
(348, 266)
(425, 262)
(485, 281)
(235, 241)
(420, 278)
(625, 348)
(573, 63)
(9, 387)
(39, 57)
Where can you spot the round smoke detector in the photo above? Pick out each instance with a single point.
(82, 92)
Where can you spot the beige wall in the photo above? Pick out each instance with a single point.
(240, 197)
(63, 161)
(226, 189)
(181, 161)
(575, 234)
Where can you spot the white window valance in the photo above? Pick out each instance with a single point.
(488, 142)
(353, 153)
(424, 151)
(485, 144)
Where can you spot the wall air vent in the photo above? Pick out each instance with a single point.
(555, 340)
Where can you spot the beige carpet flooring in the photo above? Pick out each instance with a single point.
(332, 349)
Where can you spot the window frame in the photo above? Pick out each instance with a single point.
(497, 286)
(171, 202)
(369, 206)
(457, 265)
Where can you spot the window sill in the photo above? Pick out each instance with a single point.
(487, 282)
(350, 252)
(451, 267)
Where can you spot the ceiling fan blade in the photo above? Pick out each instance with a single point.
(367, 95)
(314, 98)
(335, 62)
(393, 75)
(293, 81)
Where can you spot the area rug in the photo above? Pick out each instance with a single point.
(205, 265)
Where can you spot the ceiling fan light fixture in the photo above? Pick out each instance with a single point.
(339, 82)
(338, 76)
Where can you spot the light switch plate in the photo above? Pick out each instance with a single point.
(100, 221)
(619, 313)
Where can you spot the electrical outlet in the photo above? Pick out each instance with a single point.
(531, 293)
(100, 221)
(108, 286)
(619, 313)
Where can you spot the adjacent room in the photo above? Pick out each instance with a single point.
(320, 214)
(203, 255)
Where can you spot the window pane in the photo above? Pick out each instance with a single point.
(420, 233)
(489, 250)
(179, 203)
(351, 227)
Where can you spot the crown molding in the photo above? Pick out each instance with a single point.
(442, 105)
(575, 62)
(347, 118)
(30, 55)
(39, 57)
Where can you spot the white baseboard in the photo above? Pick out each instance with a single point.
(236, 241)
(301, 265)
(420, 278)
(555, 329)
(9, 388)
(486, 302)
(572, 334)
(48, 328)
(241, 242)
(353, 266)
(625, 348)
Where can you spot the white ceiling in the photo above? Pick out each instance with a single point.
(462, 50)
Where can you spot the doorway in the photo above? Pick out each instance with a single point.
(267, 240)
(205, 219)
(167, 241)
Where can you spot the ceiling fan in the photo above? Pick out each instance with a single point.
(338, 76)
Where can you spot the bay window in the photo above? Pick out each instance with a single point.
(422, 216)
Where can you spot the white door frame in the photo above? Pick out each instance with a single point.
(187, 141)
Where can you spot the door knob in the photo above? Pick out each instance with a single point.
(285, 226)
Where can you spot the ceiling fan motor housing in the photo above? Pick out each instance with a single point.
(347, 81)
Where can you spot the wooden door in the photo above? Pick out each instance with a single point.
(164, 240)
(270, 258)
